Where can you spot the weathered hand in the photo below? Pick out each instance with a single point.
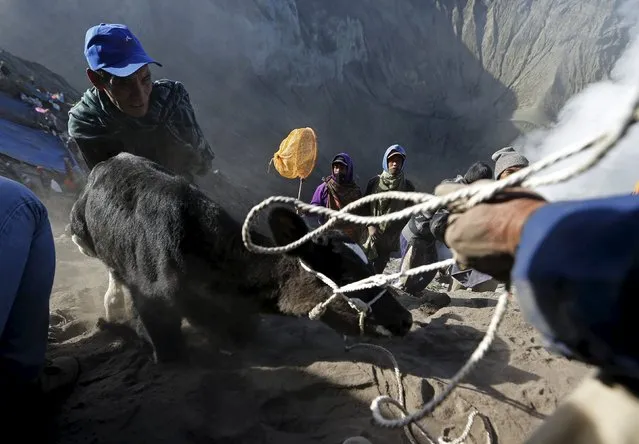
(486, 236)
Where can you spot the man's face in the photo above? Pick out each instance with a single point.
(339, 171)
(395, 163)
(508, 171)
(131, 94)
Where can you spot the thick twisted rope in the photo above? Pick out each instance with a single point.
(362, 308)
(476, 356)
(402, 404)
(400, 391)
(467, 197)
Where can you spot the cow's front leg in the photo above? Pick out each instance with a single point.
(114, 303)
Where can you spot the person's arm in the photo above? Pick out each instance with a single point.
(574, 266)
(438, 224)
(97, 150)
(320, 195)
(572, 242)
(363, 210)
(367, 210)
(319, 198)
(398, 225)
(576, 274)
(185, 128)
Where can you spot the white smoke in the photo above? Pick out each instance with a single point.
(590, 114)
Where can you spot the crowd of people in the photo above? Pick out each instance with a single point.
(415, 240)
(573, 264)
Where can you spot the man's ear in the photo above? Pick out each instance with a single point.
(286, 226)
(95, 79)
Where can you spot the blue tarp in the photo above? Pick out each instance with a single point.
(32, 146)
(17, 108)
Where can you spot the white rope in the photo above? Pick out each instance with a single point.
(465, 198)
(476, 356)
(361, 307)
(401, 405)
(465, 433)
(400, 391)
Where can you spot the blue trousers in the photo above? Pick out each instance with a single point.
(27, 269)
(403, 246)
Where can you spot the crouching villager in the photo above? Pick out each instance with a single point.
(419, 236)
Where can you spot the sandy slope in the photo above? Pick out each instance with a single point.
(296, 383)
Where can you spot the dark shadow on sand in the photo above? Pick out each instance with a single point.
(225, 395)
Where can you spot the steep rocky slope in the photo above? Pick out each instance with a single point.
(444, 78)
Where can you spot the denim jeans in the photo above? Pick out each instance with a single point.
(27, 269)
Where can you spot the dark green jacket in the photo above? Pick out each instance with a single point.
(169, 134)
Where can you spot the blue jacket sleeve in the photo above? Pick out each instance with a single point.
(576, 266)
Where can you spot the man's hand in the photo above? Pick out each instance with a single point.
(486, 236)
(372, 231)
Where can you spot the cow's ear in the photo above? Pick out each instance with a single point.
(286, 226)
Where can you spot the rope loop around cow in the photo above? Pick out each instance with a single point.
(362, 308)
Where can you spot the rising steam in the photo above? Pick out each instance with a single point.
(590, 114)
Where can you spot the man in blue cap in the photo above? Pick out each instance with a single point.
(125, 111)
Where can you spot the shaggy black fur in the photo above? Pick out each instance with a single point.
(181, 255)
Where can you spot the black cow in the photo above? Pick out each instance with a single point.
(181, 255)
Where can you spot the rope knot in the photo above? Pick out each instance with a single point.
(359, 305)
(317, 311)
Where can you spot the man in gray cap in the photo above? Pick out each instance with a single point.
(508, 161)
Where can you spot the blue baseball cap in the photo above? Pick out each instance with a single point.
(114, 49)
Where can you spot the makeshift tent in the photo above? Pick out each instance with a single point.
(14, 109)
(32, 146)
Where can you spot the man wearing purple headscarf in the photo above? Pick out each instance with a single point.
(338, 190)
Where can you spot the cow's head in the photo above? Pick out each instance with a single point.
(337, 257)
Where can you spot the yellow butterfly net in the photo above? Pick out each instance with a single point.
(297, 154)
